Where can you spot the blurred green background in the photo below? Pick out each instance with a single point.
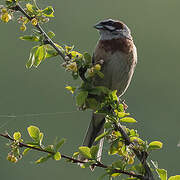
(153, 96)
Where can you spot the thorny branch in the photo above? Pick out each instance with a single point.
(97, 164)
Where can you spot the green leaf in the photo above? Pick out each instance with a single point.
(155, 145)
(94, 151)
(43, 159)
(114, 95)
(100, 74)
(81, 98)
(31, 60)
(30, 38)
(85, 152)
(50, 51)
(162, 174)
(49, 148)
(29, 7)
(17, 136)
(51, 34)
(115, 174)
(57, 156)
(34, 132)
(59, 144)
(48, 12)
(101, 136)
(177, 177)
(26, 151)
(41, 135)
(128, 120)
(121, 114)
(75, 154)
(40, 55)
(87, 58)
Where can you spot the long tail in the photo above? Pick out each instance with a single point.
(96, 127)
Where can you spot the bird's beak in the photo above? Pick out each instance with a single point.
(98, 26)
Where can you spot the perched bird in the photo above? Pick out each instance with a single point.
(117, 51)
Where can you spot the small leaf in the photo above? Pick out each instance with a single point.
(30, 38)
(121, 114)
(101, 135)
(128, 120)
(17, 136)
(114, 95)
(81, 98)
(50, 51)
(34, 132)
(57, 156)
(51, 34)
(94, 151)
(71, 89)
(40, 55)
(49, 148)
(162, 174)
(115, 174)
(26, 151)
(155, 145)
(177, 177)
(31, 60)
(41, 135)
(29, 7)
(85, 152)
(75, 155)
(43, 159)
(48, 12)
(59, 144)
(100, 74)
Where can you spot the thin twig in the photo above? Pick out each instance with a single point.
(97, 164)
(49, 40)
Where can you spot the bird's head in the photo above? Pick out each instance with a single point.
(113, 29)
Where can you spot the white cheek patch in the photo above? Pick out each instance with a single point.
(111, 28)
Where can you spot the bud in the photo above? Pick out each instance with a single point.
(23, 28)
(90, 72)
(131, 160)
(72, 67)
(4, 10)
(97, 67)
(5, 17)
(34, 21)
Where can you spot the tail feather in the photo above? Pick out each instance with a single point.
(96, 127)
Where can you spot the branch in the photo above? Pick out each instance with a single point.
(82, 71)
(142, 156)
(49, 40)
(97, 164)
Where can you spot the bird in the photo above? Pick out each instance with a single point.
(116, 49)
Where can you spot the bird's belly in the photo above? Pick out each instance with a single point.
(117, 74)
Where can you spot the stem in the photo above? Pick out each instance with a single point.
(97, 164)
